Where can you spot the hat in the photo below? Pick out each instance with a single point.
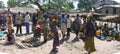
(89, 15)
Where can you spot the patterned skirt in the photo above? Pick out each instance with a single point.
(89, 44)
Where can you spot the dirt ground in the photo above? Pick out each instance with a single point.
(70, 46)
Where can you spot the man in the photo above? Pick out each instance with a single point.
(69, 22)
(19, 23)
(4, 19)
(46, 28)
(63, 22)
(27, 22)
(35, 19)
(77, 25)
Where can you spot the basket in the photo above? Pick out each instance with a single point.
(1, 34)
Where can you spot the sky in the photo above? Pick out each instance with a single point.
(5, 2)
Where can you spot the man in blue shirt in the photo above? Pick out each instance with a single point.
(63, 22)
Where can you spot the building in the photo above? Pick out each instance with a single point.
(107, 7)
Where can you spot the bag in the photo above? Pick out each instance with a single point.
(81, 28)
(51, 34)
(38, 26)
(1, 34)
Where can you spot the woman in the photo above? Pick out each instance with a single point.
(56, 37)
(9, 22)
(90, 29)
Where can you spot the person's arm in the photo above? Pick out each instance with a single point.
(60, 20)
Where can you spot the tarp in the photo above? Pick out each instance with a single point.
(22, 10)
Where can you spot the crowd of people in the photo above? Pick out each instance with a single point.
(50, 24)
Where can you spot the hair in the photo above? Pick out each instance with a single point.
(19, 12)
(63, 15)
(68, 16)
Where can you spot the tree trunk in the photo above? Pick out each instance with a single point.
(37, 3)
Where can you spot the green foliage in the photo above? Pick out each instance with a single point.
(20, 3)
(85, 5)
(11, 3)
(54, 4)
(1, 4)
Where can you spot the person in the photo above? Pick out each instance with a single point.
(9, 22)
(89, 35)
(4, 19)
(38, 30)
(105, 30)
(69, 22)
(35, 19)
(63, 22)
(10, 36)
(0, 21)
(116, 30)
(45, 28)
(77, 26)
(19, 23)
(27, 22)
(56, 36)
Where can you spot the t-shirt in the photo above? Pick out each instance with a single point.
(19, 19)
(27, 18)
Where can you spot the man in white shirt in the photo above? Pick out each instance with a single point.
(69, 22)
(27, 22)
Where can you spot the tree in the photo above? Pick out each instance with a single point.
(55, 4)
(85, 5)
(20, 3)
(11, 3)
(1, 4)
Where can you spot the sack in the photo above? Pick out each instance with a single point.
(81, 28)
(38, 26)
(33, 26)
(51, 34)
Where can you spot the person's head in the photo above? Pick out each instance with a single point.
(54, 20)
(116, 24)
(77, 15)
(63, 15)
(39, 22)
(105, 25)
(46, 17)
(68, 16)
(10, 29)
(27, 12)
(19, 12)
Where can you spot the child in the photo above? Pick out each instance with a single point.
(10, 35)
(56, 37)
(38, 29)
